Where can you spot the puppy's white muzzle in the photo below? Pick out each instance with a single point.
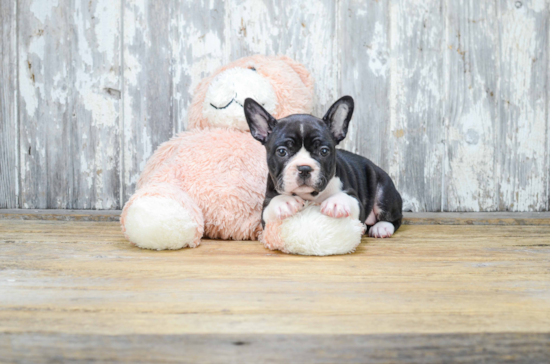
(297, 179)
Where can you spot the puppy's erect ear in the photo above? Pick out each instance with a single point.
(339, 116)
(260, 122)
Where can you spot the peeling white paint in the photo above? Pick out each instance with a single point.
(255, 27)
(84, 49)
(30, 69)
(411, 203)
(523, 186)
(27, 89)
(42, 9)
(207, 50)
(537, 5)
(108, 24)
(472, 186)
(376, 51)
(104, 112)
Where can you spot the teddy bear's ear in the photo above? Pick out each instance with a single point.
(301, 70)
(260, 122)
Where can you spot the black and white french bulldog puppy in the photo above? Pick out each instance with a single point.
(304, 164)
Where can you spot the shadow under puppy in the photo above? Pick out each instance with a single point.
(304, 164)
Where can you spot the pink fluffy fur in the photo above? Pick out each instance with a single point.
(219, 174)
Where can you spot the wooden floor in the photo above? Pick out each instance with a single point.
(76, 292)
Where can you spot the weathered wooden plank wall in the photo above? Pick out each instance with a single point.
(523, 106)
(452, 96)
(69, 82)
(472, 106)
(8, 105)
(416, 96)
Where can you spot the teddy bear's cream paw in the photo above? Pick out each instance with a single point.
(160, 223)
(309, 232)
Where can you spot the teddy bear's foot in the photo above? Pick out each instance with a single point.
(159, 223)
(310, 232)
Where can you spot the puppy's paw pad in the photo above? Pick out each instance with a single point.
(335, 207)
(382, 229)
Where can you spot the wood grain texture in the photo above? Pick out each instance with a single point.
(409, 218)
(417, 93)
(365, 57)
(9, 179)
(147, 89)
(476, 218)
(472, 114)
(60, 215)
(523, 174)
(273, 348)
(69, 87)
(444, 290)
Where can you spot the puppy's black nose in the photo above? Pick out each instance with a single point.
(304, 170)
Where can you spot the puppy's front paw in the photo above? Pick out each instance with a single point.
(336, 206)
(382, 229)
(282, 207)
(289, 207)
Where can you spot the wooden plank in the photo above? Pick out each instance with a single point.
(9, 181)
(363, 41)
(147, 85)
(198, 46)
(254, 348)
(476, 218)
(76, 290)
(69, 96)
(410, 218)
(416, 102)
(472, 113)
(454, 279)
(303, 30)
(523, 133)
(60, 215)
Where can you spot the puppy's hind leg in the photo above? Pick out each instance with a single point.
(388, 210)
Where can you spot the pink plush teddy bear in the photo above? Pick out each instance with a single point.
(210, 181)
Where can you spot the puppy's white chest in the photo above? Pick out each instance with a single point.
(334, 202)
(334, 187)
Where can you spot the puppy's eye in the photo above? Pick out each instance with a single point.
(252, 68)
(281, 152)
(324, 151)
